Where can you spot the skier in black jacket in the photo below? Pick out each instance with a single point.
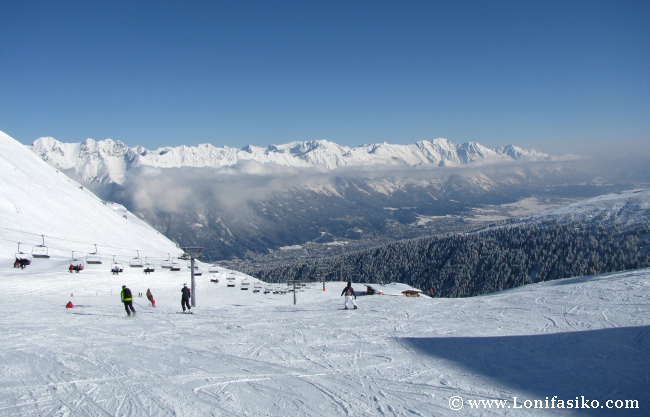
(185, 299)
(127, 299)
(349, 293)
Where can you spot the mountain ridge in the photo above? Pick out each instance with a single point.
(108, 161)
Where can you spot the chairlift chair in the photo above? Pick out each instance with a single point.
(40, 251)
(94, 258)
(230, 279)
(213, 269)
(148, 267)
(197, 269)
(116, 267)
(22, 259)
(245, 284)
(136, 262)
(76, 265)
(22, 255)
(175, 266)
(166, 263)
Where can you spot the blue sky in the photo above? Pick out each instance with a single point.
(551, 75)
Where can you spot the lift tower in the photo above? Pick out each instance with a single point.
(192, 253)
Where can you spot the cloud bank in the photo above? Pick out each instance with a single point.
(174, 190)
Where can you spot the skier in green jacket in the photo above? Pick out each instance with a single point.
(127, 299)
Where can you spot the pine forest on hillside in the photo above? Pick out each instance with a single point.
(465, 265)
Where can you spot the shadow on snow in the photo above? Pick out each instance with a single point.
(607, 364)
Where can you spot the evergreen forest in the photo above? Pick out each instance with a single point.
(495, 259)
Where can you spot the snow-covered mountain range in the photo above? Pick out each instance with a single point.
(107, 161)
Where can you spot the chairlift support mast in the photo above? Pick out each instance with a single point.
(192, 253)
(296, 283)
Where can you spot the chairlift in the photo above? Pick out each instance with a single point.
(175, 266)
(94, 258)
(230, 280)
(257, 287)
(245, 284)
(22, 259)
(40, 251)
(73, 260)
(116, 267)
(76, 265)
(167, 263)
(197, 271)
(213, 269)
(22, 255)
(136, 262)
(148, 267)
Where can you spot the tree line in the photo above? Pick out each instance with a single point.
(495, 259)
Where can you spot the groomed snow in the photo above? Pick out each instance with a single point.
(251, 354)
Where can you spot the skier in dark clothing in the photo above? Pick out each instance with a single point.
(185, 299)
(349, 293)
(127, 299)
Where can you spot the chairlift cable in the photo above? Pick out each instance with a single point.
(67, 240)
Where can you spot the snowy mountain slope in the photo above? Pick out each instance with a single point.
(39, 203)
(245, 354)
(623, 209)
(108, 161)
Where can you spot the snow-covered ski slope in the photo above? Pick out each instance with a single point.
(38, 203)
(254, 354)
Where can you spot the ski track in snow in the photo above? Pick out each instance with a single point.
(259, 355)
